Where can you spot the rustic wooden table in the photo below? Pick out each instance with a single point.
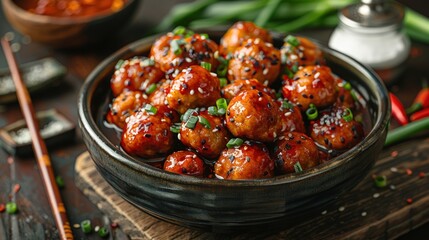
(35, 218)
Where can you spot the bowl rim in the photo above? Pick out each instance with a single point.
(46, 19)
(89, 124)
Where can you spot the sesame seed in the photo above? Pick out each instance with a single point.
(288, 114)
(213, 74)
(257, 41)
(188, 60)
(76, 225)
(317, 75)
(192, 92)
(265, 71)
(266, 83)
(376, 195)
(393, 169)
(178, 136)
(392, 187)
(363, 214)
(200, 90)
(324, 212)
(342, 208)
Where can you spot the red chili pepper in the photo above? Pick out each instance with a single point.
(398, 110)
(421, 101)
(420, 114)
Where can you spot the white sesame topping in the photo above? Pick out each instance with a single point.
(288, 114)
(265, 71)
(192, 92)
(281, 137)
(215, 130)
(268, 44)
(188, 60)
(342, 208)
(260, 99)
(178, 136)
(324, 212)
(213, 74)
(257, 41)
(266, 83)
(317, 75)
(200, 90)
(194, 156)
(392, 187)
(274, 134)
(393, 169)
(230, 72)
(216, 54)
(363, 214)
(376, 195)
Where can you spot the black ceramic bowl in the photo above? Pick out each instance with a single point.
(222, 205)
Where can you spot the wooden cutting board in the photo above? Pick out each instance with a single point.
(366, 212)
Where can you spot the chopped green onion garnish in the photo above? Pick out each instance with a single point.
(292, 40)
(348, 86)
(297, 167)
(119, 64)
(234, 142)
(212, 110)
(294, 68)
(289, 73)
(148, 62)
(221, 104)
(223, 82)
(86, 226)
(11, 208)
(207, 66)
(278, 95)
(175, 128)
(151, 88)
(103, 232)
(348, 115)
(380, 181)
(222, 69)
(175, 47)
(204, 122)
(221, 111)
(187, 114)
(284, 58)
(286, 104)
(189, 33)
(60, 181)
(192, 121)
(312, 112)
(204, 35)
(354, 96)
(150, 109)
(179, 30)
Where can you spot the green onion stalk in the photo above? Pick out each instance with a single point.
(279, 15)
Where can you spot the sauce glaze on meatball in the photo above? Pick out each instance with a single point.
(238, 33)
(302, 53)
(125, 105)
(185, 163)
(293, 148)
(254, 115)
(233, 89)
(311, 84)
(137, 73)
(255, 59)
(251, 160)
(193, 87)
(207, 139)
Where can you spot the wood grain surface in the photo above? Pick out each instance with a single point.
(366, 212)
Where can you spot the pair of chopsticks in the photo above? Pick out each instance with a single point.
(39, 147)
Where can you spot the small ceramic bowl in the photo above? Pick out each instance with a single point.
(62, 32)
(225, 205)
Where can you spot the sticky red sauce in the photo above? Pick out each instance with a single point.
(71, 8)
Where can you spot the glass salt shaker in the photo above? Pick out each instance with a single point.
(371, 32)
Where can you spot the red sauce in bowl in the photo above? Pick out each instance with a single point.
(71, 8)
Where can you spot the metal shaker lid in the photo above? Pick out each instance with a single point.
(380, 14)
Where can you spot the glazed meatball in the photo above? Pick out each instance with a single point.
(137, 73)
(336, 129)
(233, 89)
(159, 96)
(254, 115)
(184, 162)
(124, 105)
(293, 148)
(175, 52)
(209, 135)
(300, 51)
(255, 59)
(311, 84)
(238, 33)
(193, 87)
(345, 97)
(290, 118)
(249, 161)
(147, 134)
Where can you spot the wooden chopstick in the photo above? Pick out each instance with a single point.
(39, 147)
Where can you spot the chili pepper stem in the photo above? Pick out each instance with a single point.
(414, 108)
